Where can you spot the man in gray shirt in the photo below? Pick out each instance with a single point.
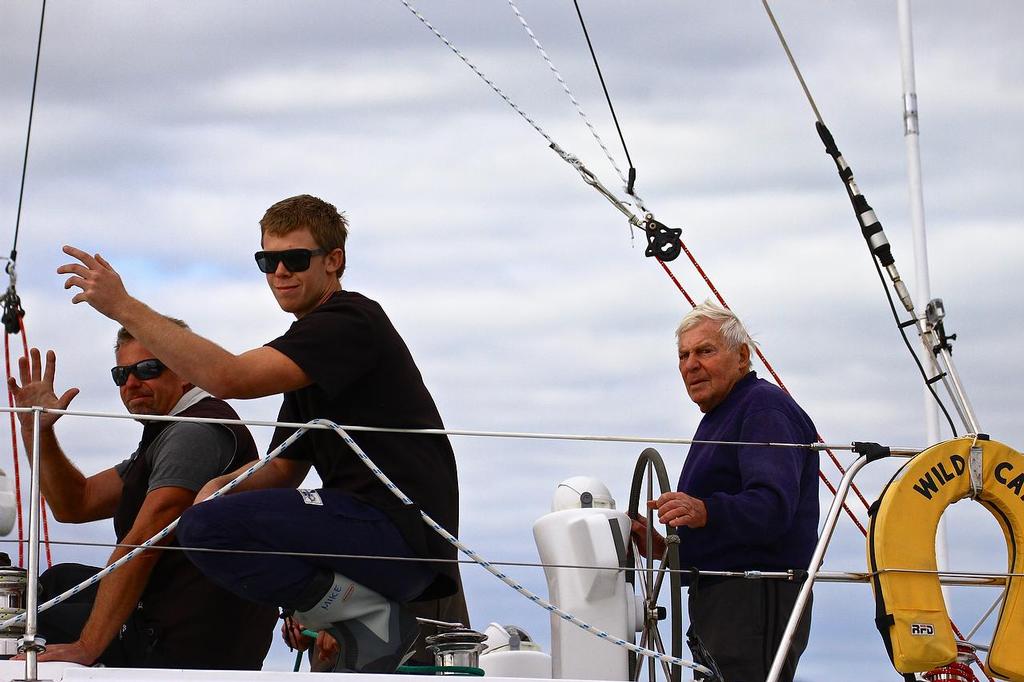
(157, 611)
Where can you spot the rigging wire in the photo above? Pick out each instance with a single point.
(632, 170)
(478, 72)
(822, 127)
(628, 184)
(792, 61)
(928, 383)
(13, 313)
(689, 255)
(28, 137)
(885, 286)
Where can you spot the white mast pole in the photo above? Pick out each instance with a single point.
(922, 280)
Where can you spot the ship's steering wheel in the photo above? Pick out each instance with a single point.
(649, 578)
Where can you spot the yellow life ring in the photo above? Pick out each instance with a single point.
(909, 608)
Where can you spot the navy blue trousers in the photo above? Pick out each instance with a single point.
(285, 520)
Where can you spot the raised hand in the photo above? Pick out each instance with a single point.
(36, 389)
(100, 285)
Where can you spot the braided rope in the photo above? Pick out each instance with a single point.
(572, 98)
(536, 599)
(259, 464)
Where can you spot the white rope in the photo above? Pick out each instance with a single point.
(572, 98)
(567, 157)
(536, 599)
(478, 72)
(259, 464)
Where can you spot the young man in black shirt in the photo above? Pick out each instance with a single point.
(340, 360)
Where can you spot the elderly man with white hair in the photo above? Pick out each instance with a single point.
(741, 507)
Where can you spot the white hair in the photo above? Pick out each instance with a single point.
(730, 327)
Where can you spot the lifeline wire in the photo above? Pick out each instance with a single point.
(160, 535)
(579, 108)
(536, 599)
(977, 579)
(259, 464)
(817, 447)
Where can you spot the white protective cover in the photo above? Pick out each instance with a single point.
(587, 537)
(8, 504)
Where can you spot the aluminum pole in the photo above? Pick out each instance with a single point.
(29, 645)
(812, 569)
(922, 279)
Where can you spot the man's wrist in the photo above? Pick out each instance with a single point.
(90, 646)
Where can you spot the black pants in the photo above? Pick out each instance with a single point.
(740, 622)
(134, 647)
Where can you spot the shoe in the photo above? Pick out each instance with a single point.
(364, 651)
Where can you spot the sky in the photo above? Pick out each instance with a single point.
(163, 130)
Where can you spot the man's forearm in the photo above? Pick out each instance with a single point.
(190, 356)
(61, 483)
(117, 597)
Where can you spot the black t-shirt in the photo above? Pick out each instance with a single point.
(364, 375)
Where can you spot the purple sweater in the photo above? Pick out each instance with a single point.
(762, 502)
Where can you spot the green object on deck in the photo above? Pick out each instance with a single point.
(436, 669)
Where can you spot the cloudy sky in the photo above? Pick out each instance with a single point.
(164, 130)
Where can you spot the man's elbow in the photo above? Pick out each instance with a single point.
(228, 384)
(64, 514)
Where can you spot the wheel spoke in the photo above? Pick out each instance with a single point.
(662, 570)
(643, 642)
(660, 647)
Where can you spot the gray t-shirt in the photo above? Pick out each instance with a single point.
(186, 455)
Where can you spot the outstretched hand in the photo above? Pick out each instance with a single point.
(74, 652)
(100, 285)
(36, 389)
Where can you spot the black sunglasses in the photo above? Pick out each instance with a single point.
(143, 369)
(295, 260)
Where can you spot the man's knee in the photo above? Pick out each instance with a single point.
(201, 526)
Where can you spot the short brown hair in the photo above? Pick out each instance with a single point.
(327, 225)
(124, 336)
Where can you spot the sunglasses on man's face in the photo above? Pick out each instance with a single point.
(294, 260)
(143, 369)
